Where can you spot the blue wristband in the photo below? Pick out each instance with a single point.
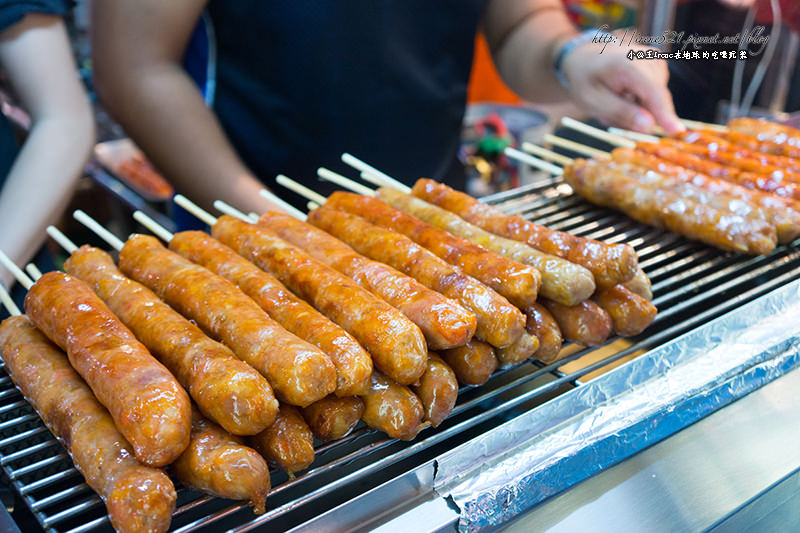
(584, 37)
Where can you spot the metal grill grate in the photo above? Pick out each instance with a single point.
(692, 284)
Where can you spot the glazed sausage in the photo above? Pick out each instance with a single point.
(783, 212)
(137, 497)
(395, 343)
(771, 184)
(220, 464)
(630, 313)
(517, 282)
(473, 363)
(146, 402)
(561, 280)
(717, 143)
(393, 409)
(227, 390)
(609, 264)
(332, 417)
(520, 350)
(640, 284)
(299, 372)
(437, 389)
(602, 184)
(288, 443)
(353, 363)
(499, 322)
(586, 323)
(765, 136)
(738, 162)
(542, 324)
(443, 321)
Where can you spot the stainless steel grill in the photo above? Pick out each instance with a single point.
(691, 283)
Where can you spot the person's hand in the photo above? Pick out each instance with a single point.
(630, 94)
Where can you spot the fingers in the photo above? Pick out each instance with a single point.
(651, 91)
(615, 110)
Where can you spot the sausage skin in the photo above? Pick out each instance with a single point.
(137, 497)
(444, 322)
(298, 371)
(227, 390)
(288, 444)
(220, 464)
(437, 389)
(146, 402)
(542, 324)
(393, 409)
(395, 343)
(630, 313)
(586, 323)
(473, 363)
(353, 363)
(332, 417)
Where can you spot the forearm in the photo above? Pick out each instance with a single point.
(166, 116)
(41, 182)
(524, 52)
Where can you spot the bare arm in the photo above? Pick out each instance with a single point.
(36, 55)
(137, 49)
(525, 36)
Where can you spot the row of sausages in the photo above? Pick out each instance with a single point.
(273, 351)
(736, 190)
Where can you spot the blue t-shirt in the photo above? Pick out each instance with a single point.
(298, 82)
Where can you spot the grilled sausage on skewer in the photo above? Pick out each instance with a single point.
(298, 371)
(218, 463)
(288, 443)
(147, 403)
(609, 263)
(137, 497)
(332, 418)
(395, 343)
(499, 322)
(444, 322)
(353, 363)
(473, 363)
(227, 390)
(517, 282)
(437, 389)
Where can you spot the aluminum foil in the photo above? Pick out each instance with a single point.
(505, 472)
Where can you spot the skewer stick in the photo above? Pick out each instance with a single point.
(377, 181)
(347, 183)
(8, 303)
(533, 161)
(312, 205)
(195, 209)
(222, 207)
(634, 135)
(61, 239)
(101, 232)
(158, 230)
(544, 153)
(597, 133)
(280, 202)
(697, 125)
(33, 271)
(19, 275)
(360, 165)
(298, 187)
(578, 148)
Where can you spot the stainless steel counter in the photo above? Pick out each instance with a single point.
(735, 470)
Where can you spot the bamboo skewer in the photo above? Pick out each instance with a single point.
(17, 272)
(194, 209)
(368, 169)
(533, 161)
(61, 239)
(573, 146)
(633, 135)
(157, 229)
(33, 271)
(299, 189)
(280, 202)
(8, 303)
(101, 232)
(338, 179)
(597, 133)
(544, 153)
(697, 125)
(228, 209)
